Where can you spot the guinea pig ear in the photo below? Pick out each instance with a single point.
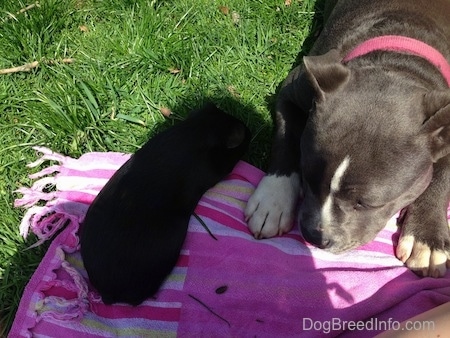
(236, 136)
(326, 72)
(437, 125)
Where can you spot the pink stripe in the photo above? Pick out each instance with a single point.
(142, 311)
(169, 295)
(236, 188)
(229, 209)
(248, 172)
(405, 44)
(49, 329)
(221, 218)
(112, 158)
(93, 173)
(375, 246)
(183, 261)
(75, 196)
(293, 235)
(58, 291)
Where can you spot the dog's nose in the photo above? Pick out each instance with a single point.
(316, 237)
(326, 243)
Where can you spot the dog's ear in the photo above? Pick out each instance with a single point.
(326, 72)
(437, 123)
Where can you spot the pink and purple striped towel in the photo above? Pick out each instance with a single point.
(228, 286)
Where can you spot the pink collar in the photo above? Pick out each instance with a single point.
(403, 44)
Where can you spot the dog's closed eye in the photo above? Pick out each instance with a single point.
(359, 205)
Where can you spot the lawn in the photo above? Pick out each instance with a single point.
(99, 73)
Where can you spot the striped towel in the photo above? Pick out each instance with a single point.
(225, 284)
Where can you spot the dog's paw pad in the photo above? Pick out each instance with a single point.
(270, 210)
(420, 258)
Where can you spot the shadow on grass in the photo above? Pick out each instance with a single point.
(247, 113)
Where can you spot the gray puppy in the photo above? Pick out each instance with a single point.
(363, 130)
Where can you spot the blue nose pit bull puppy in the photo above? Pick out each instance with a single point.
(362, 131)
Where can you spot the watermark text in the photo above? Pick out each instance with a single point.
(373, 324)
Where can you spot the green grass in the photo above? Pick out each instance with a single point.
(131, 59)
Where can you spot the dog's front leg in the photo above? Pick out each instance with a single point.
(424, 244)
(271, 209)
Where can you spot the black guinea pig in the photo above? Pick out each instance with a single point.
(134, 230)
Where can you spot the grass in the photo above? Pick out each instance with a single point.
(131, 58)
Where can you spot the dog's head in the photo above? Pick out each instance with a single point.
(367, 150)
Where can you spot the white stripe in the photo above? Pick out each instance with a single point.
(326, 212)
(77, 183)
(340, 171)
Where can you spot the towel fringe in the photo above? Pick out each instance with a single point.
(46, 171)
(45, 228)
(27, 220)
(47, 155)
(44, 221)
(31, 197)
(62, 308)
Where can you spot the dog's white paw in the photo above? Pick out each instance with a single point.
(422, 259)
(270, 210)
